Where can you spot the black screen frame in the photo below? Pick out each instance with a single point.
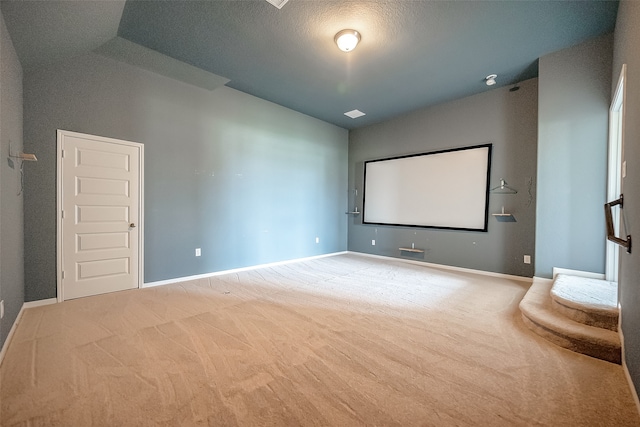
(484, 228)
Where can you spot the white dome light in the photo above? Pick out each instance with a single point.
(347, 40)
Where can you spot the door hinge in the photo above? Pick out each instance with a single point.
(62, 214)
(62, 154)
(63, 274)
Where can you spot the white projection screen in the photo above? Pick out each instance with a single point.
(444, 189)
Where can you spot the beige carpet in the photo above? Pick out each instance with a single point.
(545, 317)
(590, 301)
(341, 341)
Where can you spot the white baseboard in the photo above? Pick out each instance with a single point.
(542, 279)
(5, 346)
(449, 267)
(39, 303)
(625, 368)
(235, 270)
(25, 306)
(587, 274)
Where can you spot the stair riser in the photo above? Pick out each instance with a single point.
(585, 317)
(609, 353)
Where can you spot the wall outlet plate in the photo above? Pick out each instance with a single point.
(198, 252)
(317, 240)
(1, 309)
(373, 242)
(527, 259)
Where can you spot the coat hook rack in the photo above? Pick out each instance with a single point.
(611, 235)
(503, 188)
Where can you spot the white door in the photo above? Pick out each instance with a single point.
(615, 171)
(99, 215)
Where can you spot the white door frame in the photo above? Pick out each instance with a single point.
(140, 222)
(615, 168)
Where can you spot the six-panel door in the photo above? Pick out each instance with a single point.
(100, 203)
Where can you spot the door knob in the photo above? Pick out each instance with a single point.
(132, 225)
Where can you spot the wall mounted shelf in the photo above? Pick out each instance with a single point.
(504, 217)
(25, 156)
(419, 251)
(22, 156)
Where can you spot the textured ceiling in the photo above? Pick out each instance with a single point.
(46, 32)
(413, 53)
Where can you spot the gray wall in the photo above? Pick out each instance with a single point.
(246, 180)
(627, 40)
(573, 106)
(11, 235)
(506, 119)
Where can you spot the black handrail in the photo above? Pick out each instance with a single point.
(611, 235)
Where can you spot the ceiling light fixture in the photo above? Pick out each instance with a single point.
(490, 80)
(347, 40)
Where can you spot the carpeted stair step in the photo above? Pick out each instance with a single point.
(538, 314)
(593, 302)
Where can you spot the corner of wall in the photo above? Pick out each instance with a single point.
(573, 111)
(11, 207)
(626, 42)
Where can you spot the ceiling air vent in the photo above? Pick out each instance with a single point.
(278, 3)
(354, 114)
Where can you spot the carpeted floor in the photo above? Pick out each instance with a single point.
(341, 341)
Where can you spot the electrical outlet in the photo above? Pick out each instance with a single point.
(317, 240)
(373, 243)
(1, 309)
(527, 259)
(198, 252)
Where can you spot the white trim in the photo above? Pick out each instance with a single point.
(24, 307)
(615, 153)
(40, 303)
(141, 216)
(59, 293)
(625, 368)
(579, 273)
(537, 279)
(236, 270)
(449, 267)
(140, 223)
(5, 346)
